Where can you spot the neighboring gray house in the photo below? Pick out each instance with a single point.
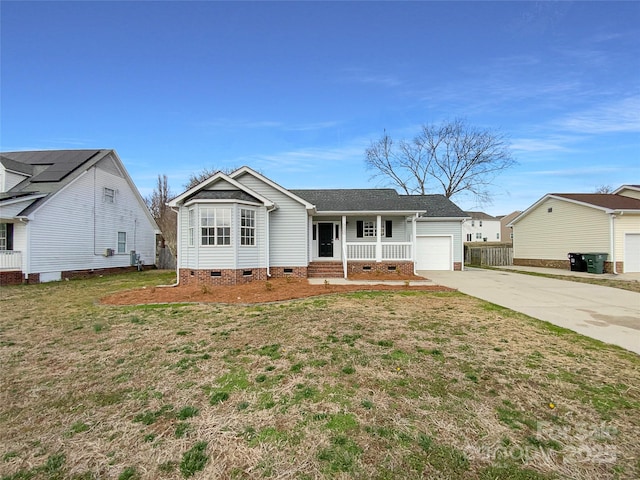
(243, 226)
(70, 212)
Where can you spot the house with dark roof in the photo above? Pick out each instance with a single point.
(562, 223)
(481, 227)
(69, 212)
(243, 226)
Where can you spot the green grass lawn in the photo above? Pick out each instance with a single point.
(405, 385)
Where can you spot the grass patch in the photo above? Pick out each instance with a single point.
(374, 385)
(194, 460)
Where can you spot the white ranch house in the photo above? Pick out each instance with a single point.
(65, 213)
(243, 226)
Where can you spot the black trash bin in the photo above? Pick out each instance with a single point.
(595, 262)
(578, 262)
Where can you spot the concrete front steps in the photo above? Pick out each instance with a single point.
(325, 270)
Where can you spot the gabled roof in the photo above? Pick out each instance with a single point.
(49, 171)
(607, 202)
(604, 200)
(480, 216)
(224, 195)
(199, 192)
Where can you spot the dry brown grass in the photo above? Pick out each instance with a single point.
(359, 385)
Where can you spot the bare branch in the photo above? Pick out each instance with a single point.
(453, 155)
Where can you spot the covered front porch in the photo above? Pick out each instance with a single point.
(362, 238)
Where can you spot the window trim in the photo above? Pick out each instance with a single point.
(247, 231)
(191, 227)
(219, 232)
(122, 243)
(108, 195)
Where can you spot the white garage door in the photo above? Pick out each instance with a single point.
(433, 253)
(632, 252)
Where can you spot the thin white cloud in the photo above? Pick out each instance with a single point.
(573, 172)
(359, 75)
(619, 116)
(235, 124)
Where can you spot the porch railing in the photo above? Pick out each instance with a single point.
(368, 251)
(10, 260)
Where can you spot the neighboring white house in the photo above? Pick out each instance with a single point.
(481, 228)
(67, 212)
(243, 226)
(563, 223)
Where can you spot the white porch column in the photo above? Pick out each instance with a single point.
(378, 238)
(344, 245)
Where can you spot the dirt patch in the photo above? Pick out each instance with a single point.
(275, 290)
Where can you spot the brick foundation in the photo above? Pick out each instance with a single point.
(535, 262)
(561, 264)
(280, 272)
(373, 268)
(11, 278)
(190, 276)
(91, 273)
(457, 266)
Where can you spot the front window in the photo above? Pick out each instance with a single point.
(479, 235)
(122, 242)
(369, 229)
(247, 227)
(215, 226)
(3, 236)
(192, 226)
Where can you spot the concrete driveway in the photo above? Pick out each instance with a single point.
(607, 314)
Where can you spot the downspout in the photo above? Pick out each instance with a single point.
(266, 240)
(414, 241)
(26, 260)
(344, 245)
(612, 240)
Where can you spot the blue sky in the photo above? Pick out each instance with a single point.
(298, 90)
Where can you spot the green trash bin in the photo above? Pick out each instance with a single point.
(595, 262)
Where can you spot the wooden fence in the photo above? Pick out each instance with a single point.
(488, 255)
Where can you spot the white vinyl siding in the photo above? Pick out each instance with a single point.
(253, 256)
(568, 227)
(288, 227)
(11, 180)
(9, 211)
(66, 235)
(400, 228)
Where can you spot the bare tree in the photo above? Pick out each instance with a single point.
(604, 189)
(162, 214)
(454, 157)
(202, 175)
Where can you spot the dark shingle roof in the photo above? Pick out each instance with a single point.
(224, 195)
(379, 200)
(47, 171)
(604, 200)
(481, 216)
(57, 163)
